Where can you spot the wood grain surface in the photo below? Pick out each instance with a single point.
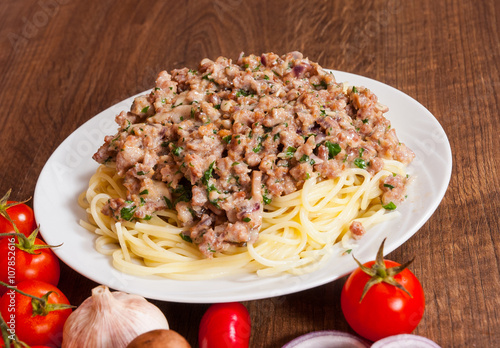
(64, 61)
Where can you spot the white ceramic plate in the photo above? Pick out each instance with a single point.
(66, 175)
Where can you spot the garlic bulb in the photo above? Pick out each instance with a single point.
(111, 319)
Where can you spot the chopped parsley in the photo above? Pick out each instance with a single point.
(242, 93)
(306, 158)
(208, 174)
(321, 85)
(390, 206)
(360, 163)
(333, 149)
(127, 213)
(211, 188)
(257, 148)
(290, 151)
(206, 77)
(247, 219)
(168, 202)
(185, 238)
(145, 109)
(184, 194)
(389, 186)
(265, 197)
(177, 150)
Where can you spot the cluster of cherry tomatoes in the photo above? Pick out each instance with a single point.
(27, 263)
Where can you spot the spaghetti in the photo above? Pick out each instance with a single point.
(297, 231)
(259, 166)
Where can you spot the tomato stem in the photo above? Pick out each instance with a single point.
(10, 340)
(4, 206)
(380, 273)
(40, 305)
(27, 244)
(5, 333)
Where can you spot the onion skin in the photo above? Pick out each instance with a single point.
(405, 340)
(327, 339)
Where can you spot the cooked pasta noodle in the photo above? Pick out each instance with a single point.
(298, 229)
(258, 166)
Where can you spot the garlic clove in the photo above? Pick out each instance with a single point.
(111, 319)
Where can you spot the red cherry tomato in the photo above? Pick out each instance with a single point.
(385, 310)
(225, 325)
(17, 265)
(23, 217)
(45, 330)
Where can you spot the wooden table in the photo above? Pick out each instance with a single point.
(64, 61)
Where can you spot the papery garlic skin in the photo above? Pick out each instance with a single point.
(111, 319)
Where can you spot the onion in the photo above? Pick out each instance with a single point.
(327, 339)
(405, 340)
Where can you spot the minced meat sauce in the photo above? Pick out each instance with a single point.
(218, 143)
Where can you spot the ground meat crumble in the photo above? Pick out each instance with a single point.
(218, 143)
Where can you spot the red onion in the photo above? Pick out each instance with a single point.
(405, 340)
(327, 339)
(263, 60)
(298, 70)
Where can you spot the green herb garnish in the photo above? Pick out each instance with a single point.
(360, 163)
(208, 174)
(177, 150)
(390, 206)
(127, 213)
(290, 151)
(257, 148)
(242, 93)
(333, 149)
(168, 202)
(185, 238)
